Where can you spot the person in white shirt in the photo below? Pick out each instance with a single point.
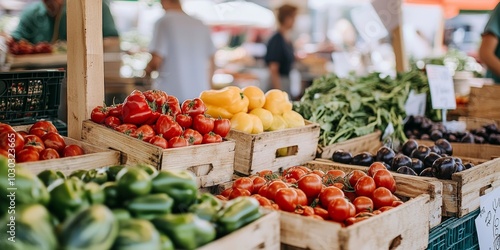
(182, 52)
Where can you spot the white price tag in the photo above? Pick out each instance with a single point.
(416, 104)
(441, 85)
(488, 221)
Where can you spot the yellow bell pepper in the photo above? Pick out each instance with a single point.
(278, 123)
(293, 119)
(216, 112)
(255, 96)
(257, 124)
(239, 105)
(242, 122)
(265, 116)
(223, 97)
(277, 101)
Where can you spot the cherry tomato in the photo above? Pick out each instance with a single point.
(73, 150)
(126, 128)
(194, 137)
(339, 210)
(99, 114)
(382, 197)
(263, 201)
(54, 140)
(363, 204)
(11, 141)
(168, 127)
(159, 141)
(112, 122)
(194, 107)
(177, 142)
(375, 167)
(237, 192)
(203, 124)
(222, 126)
(34, 142)
(116, 111)
(321, 212)
(226, 192)
(273, 188)
(396, 203)
(286, 198)
(258, 182)
(301, 197)
(184, 120)
(27, 155)
(365, 186)
(354, 176)
(244, 183)
(40, 128)
(49, 153)
(144, 133)
(384, 178)
(211, 137)
(329, 194)
(311, 184)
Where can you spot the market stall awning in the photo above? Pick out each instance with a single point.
(453, 7)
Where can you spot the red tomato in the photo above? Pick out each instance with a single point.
(273, 188)
(382, 197)
(384, 178)
(376, 212)
(222, 198)
(305, 211)
(286, 198)
(265, 173)
(365, 186)
(112, 122)
(222, 127)
(385, 208)
(339, 210)
(178, 142)
(159, 141)
(375, 167)
(329, 194)
(263, 191)
(144, 133)
(194, 137)
(34, 142)
(350, 195)
(311, 184)
(226, 192)
(54, 140)
(318, 172)
(126, 128)
(301, 197)
(295, 173)
(49, 153)
(353, 220)
(193, 107)
(73, 150)
(27, 155)
(173, 106)
(354, 177)
(363, 204)
(6, 128)
(22, 133)
(263, 201)
(244, 183)
(4, 153)
(116, 111)
(336, 173)
(203, 124)
(321, 212)
(136, 109)
(184, 120)
(396, 203)
(156, 98)
(258, 182)
(166, 126)
(40, 128)
(211, 137)
(99, 114)
(11, 141)
(237, 192)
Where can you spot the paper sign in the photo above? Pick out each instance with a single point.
(416, 104)
(389, 12)
(488, 221)
(368, 24)
(441, 85)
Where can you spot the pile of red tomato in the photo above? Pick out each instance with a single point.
(154, 116)
(333, 196)
(41, 142)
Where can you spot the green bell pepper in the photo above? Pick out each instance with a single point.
(113, 172)
(237, 213)
(152, 171)
(181, 186)
(110, 190)
(187, 231)
(94, 193)
(20, 185)
(207, 207)
(121, 214)
(151, 205)
(48, 176)
(80, 173)
(133, 182)
(137, 234)
(98, 176)
(67, 197)
(166, 243)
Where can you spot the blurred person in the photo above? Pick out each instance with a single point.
(280, 54)
(489, 51)
(182, 52)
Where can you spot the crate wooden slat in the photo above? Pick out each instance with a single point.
(211, 163)
(263, 233)
(370, 142)
(407, 186)
(470, 150)
(483, 102)
(255, 152)
(94, 157)
(475, 122)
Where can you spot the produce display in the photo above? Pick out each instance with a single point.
(251, 110)
(344, 198)
(418, 127)
(154, 116)
(413, 159)
(351, 107)
(41, 142)
(23, 47)
(119, 207)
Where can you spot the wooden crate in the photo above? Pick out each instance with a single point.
(211, 163)
(370, 142)
(483, 102)
(406, 186)
(263, 233)
(474, 122)
(256, 152)
(479, 152)
(94, 157)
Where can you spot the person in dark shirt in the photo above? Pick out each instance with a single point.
(280, 53)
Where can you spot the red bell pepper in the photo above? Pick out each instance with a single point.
(136, 109)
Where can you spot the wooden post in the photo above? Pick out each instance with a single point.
(399, 49)
(85, 74)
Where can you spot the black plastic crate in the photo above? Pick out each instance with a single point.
(27, 96)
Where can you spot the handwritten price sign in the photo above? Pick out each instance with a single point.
(441, 85)
(488, 221)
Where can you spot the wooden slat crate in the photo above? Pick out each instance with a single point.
(211, 163)
(370, 142)
(407, 186)
(483, 102)
(468, 150)
(263, 233)
(474, 122)
(256, 152)
(94, 157)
